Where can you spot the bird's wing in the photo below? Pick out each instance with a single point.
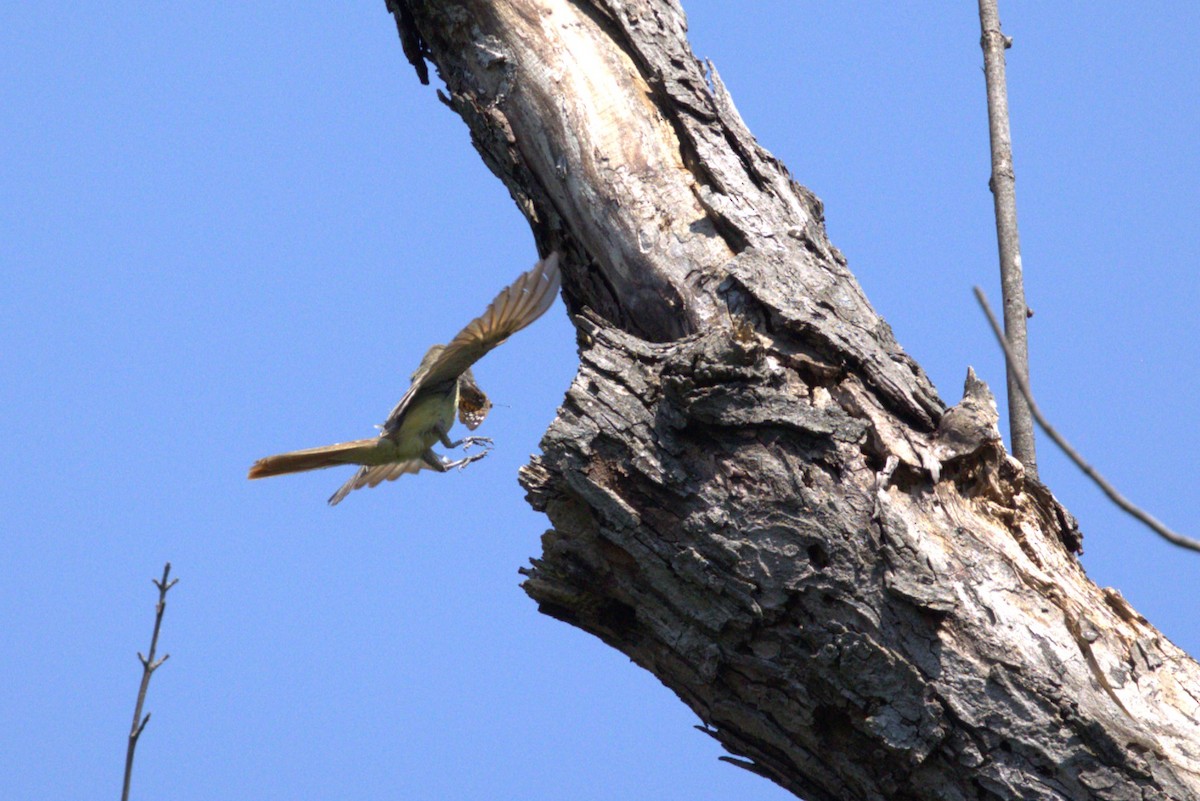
(375, 475)
(517, 305)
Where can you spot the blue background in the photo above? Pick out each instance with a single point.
(228, 229)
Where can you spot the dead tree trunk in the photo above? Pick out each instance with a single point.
(755, 493)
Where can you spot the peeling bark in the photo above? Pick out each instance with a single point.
(755, 493)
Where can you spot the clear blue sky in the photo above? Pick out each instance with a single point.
(231, 229)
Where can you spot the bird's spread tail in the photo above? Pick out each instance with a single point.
(314, 458)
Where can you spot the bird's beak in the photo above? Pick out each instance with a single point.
(473, 404)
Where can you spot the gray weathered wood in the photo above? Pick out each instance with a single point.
(1003, 184)
(754, 492)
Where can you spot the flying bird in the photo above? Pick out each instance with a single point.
(441, 386)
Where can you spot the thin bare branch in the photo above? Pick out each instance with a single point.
(1108, 489)
(149, 665)
(1004, 195)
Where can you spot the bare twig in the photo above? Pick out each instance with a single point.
(1004, 195)
(149, 665)
(1108, 489)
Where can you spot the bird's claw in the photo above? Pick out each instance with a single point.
(466, 460)
(467, 442)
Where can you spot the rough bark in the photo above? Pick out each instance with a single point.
(754, 492)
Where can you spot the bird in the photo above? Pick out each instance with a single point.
(441, 385)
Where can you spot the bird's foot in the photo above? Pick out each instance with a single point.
(486, 442)
(466, 460)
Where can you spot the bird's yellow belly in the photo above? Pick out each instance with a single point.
(419, 429)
